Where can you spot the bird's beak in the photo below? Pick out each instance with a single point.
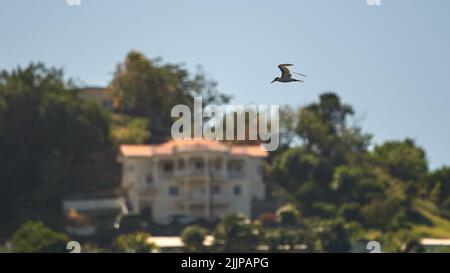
(272, 81)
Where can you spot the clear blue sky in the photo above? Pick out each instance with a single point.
(391, 62)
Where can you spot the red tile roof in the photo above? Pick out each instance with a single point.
(173, 146)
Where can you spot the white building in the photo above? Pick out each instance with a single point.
(86, 215)
(200, 179)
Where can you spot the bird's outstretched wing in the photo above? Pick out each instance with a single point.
(284, 70)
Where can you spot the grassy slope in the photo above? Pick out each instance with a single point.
(439, 227)
(434, 225)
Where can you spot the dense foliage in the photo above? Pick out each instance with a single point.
(46, 134)
(338, 186)
(35, 237)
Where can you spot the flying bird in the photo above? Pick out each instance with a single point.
(286, 75)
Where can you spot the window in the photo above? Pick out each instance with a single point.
(130, 168)
(168, 167)
(149, 178)
(236, 169)
(199, 165)
(216, 190)
(173, 191)
(237, 190)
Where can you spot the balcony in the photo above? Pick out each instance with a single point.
(198, 168)
(200, 174)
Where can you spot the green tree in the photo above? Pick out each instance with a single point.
(130, 130)
(293, 168)
(324, 129)
(332, 236)
(282, 239)
(3, 249)
(436, 187)
(439, 181)
(135, 243)
(306, 174)
(92, 248)
(402, 159)
(288, 215)
(380, 213)
(46, 133)
(149, 88)
(35, 237)
(303, 176)
(193, 238)
(273, 238)
(358, 183)
(400, 242)
(235, 233)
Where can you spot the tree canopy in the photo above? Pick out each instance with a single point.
(150, 88)
(45, 131)
(338, 185)
(35, 237)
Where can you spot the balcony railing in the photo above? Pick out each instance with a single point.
(201, 173)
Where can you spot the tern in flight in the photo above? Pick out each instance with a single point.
(286, 75)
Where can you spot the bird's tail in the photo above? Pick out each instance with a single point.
(299, 74)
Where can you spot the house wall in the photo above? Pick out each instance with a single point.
(192, 186)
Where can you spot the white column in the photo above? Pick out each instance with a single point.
(186, 185)
(247, 170)
(225, 167)
(187, 167)
(175, 166)
(155, 171)
(187, 201)
(207, 187)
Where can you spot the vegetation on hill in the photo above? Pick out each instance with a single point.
(338, 190)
